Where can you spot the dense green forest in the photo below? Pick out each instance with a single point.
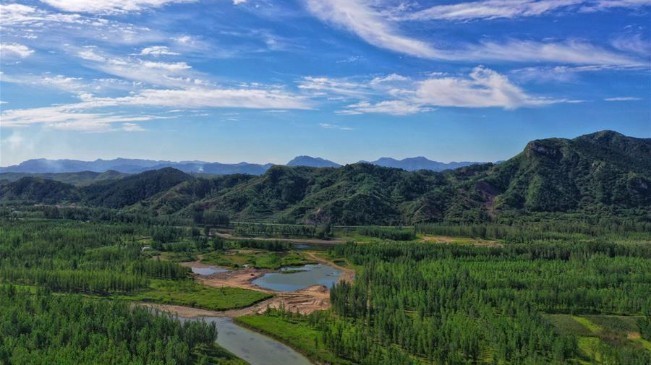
(42, 328)
(601, 174)
(449, 304)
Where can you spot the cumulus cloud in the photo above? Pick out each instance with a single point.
(14, 50)
(482, 88)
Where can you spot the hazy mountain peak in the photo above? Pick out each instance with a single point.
(311, 162)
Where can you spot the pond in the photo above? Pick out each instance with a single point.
(253, 347)
(299, 277)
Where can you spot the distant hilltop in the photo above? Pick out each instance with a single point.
(134, 166)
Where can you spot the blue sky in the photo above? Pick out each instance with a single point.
(347, 80)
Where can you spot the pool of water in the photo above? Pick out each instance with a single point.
(208, 270)
(253, 347)
(300, 277)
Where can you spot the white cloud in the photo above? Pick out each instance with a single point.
(132, 127)
(18, 14)
(623, 98)
(571, 52)
(109, 6)
(166, 66)
(209, 98)
(82, 117)
(482, 88)
(490, 9)
(357, 17)
(14, 50)
(634, 44)
(165, 74)
(322, 86)
(334, 126)
(65, 118)
(89, 54)
(391, 107)
(157, 51)
(493, 9)
(239, 2)
(596, 5)
(377, 28)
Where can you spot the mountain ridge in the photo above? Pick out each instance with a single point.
(135, 166)
(602, 173)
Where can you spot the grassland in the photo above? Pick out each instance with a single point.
(189, 293)
(255, 258)
(295, 332)
(596, 332)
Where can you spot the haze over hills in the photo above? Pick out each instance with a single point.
(599, 173)
(312, 162)
(419, 163)
(133, 166)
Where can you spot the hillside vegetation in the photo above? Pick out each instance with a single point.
(604, 173)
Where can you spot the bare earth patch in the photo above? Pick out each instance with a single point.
(304, 301)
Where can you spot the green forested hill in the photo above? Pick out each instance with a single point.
(600, 173)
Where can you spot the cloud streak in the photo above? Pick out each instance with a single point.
(110, 6)
(378, 29)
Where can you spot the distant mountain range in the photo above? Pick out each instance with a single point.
(134, 166)
(419, 163)
(599, 174)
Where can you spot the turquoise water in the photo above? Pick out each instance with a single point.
(305, 276)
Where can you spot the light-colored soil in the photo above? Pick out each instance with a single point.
(304, 301)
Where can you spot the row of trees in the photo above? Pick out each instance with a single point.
(562, 229)
(281, 230)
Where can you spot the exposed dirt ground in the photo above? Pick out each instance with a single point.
(305, 301)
